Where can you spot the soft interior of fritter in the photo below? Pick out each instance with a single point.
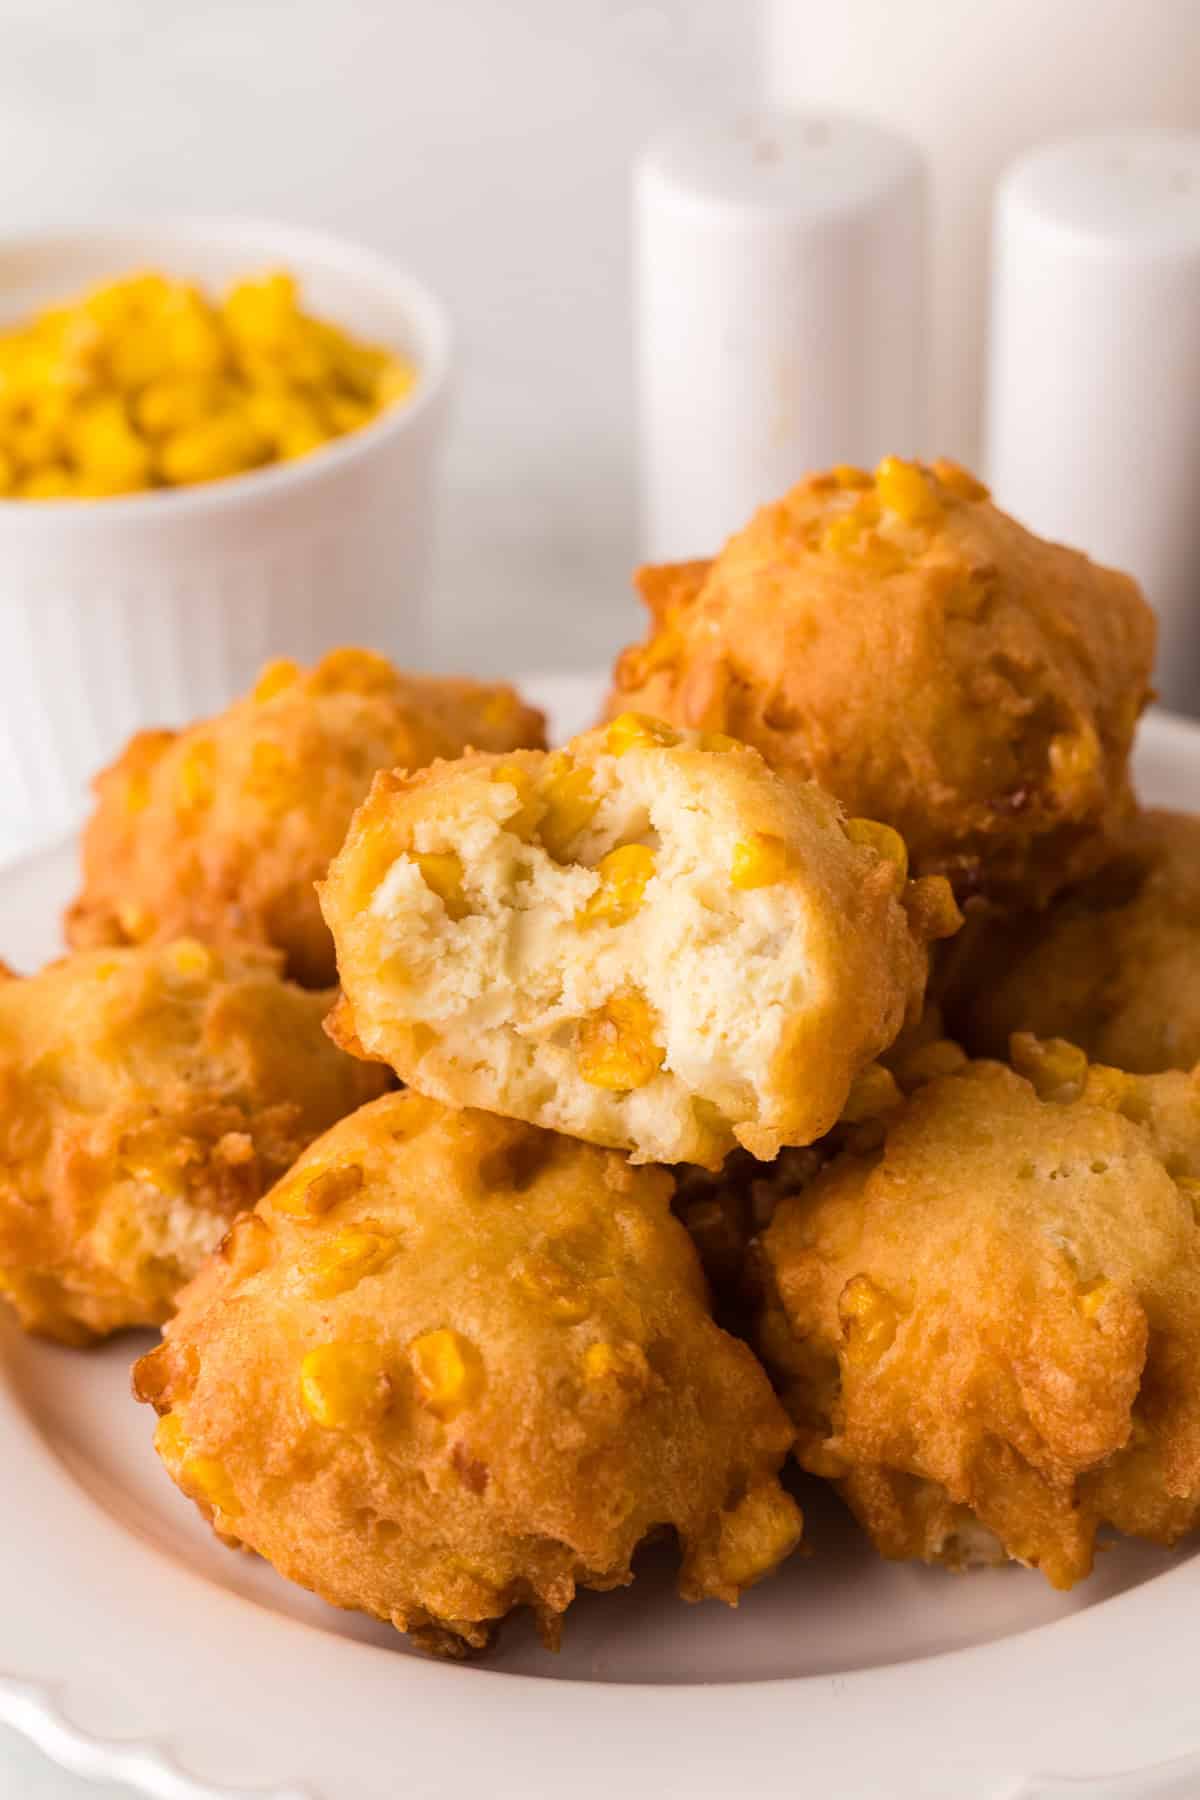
(625, 993)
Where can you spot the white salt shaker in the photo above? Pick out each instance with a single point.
(779, 312)
(1093, 406)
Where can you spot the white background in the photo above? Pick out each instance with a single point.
(486, 144)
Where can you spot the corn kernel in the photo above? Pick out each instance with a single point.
(138, 924)
(348, 1258)
(1074, 759)
(351, 670)
(570, 806)
(8, 473)
(193, 960)
(201, 1476)
(763, 1528)
(1056, 1069)
(449, 1372)
(312, 1196)
(625, 1364)
(842, 532)
(720, 741)
(529, 808)
(847, 476)
(959, 481)
(276, 678)
(638, 731)
(223, 445)
(868, 1320)
(873, 1092)
(759, 861)
(623, 874)
(1095, 1296)
(616, 1044)
(52, 482)
(344, 1386)
(881, 838)
(442, 873)
(906, 490)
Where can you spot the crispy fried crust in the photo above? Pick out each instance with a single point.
(1114, 966)
(454, 1365)
(648, 940)
(220, 831)
(988, 1330)
(146, 1097)
(936, 667)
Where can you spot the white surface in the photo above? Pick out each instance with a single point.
(975, 85)
(161, 607)
(485, 146)
(1093, 418)
(778, 312)
(124, 1619)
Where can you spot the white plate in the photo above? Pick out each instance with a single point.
(133, 1647)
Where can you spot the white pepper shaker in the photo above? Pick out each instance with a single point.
(1093, 406)
(779, 306)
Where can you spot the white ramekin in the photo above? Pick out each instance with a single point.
(158, 608)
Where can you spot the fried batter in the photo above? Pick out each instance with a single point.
(1114, 966)
(220, 831)
(454, 1365)
(988, 1331)
(146, 1097)
(926, 659)
(648, 940)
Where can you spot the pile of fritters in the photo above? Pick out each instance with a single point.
(688, 1015)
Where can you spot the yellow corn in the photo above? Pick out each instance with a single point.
(53, 482)
(906, 490)
(529, 808)
(201, 1476)
(616, 1044)
(276, 678)
(847, 476)
(448, 1370)
(312, 1196)
(193, 960)
(624, 1364)
(570, 806)
(223, 445)
(1095, 1296)
(351, 670)
(881, 838)
(759, 861)
(349, 1257)
(138, 923)
(1057, 1069)
(719, 741)
(137, 792)
(763, 1528)
(929, 1062)
(1074, 759)
(638, 731)
(623, 874)
(442, 873)
(344, 1386)
(842, 532)
(868, 1319)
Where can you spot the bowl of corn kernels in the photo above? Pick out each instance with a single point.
(217, 438)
